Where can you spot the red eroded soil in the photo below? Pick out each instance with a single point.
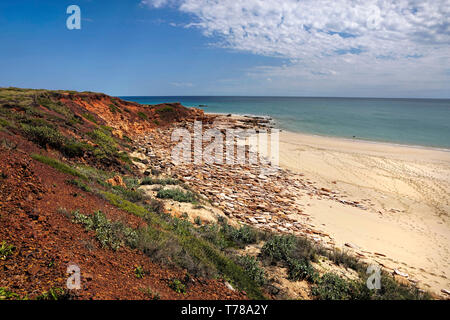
(46, 241)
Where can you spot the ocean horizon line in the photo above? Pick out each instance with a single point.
(275, 96)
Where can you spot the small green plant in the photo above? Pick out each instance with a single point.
(49, 103)
(75, 148)
(90, 117)
(343, 258)
(165, 110)
(114, 109)
(142, 115)
(6, 294)
(252, 268)
(177, 195)
(198, 221)
(240, 237)
(301, 270)
(332, 287)
(139, 272)
(107, 146)
(6, 250)
(124, 204)
(130, 195)
(44, 135)
(150, 293)
(278, 248)
(54, 294)
(177, 286)
(4, 123)
(109, 234)
(163, 182)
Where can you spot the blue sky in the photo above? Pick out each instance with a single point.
(211, 47)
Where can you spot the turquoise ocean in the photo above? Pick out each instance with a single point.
(420, 122)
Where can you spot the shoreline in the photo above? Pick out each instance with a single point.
(388, 143)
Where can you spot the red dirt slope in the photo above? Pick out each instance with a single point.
(46, 240)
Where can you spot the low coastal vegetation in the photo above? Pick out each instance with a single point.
(177, 195)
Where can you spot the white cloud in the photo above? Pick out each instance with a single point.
(182, 84)
(155, 3)
(404, 41)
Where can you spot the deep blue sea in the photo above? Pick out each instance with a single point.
(424, 122)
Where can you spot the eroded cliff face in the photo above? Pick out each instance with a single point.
(129, 118)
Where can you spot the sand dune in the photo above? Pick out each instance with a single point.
(406, 193)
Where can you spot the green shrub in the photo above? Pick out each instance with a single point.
(47, 135)
(301, 270)
(109, 234)
(142, 115)
(107, 146)
(6, 250)
(75, 149)
(332, 287)
(90, 117)
(252, 268)
(131, 182)
(44, 135)
(278, 248)
(4, 123)
(177, 286)
(240, 237)
(56, 106)
(114, 109)
(139, 272)
(130, 195)
(342, 258)
(212, 233)
(165, 110)
(177, 195)
(163, 182)
(124, 157)
(127, 139)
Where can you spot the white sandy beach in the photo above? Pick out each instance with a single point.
(406, 193)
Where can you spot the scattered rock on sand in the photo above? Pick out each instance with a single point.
(402, 274)
(351, 245)
(446, 291)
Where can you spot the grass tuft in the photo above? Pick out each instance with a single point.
(58, 165)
